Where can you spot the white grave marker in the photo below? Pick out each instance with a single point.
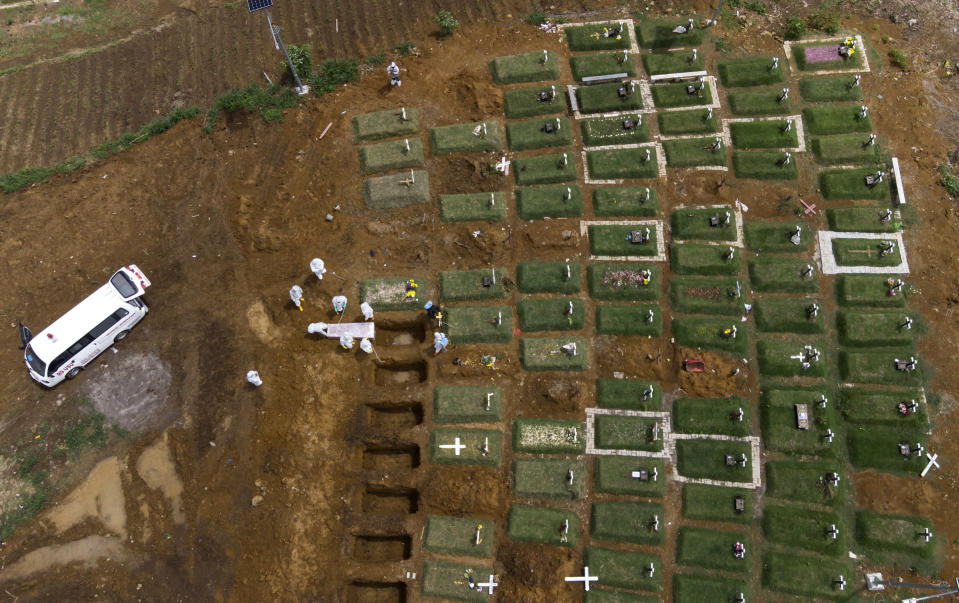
(456, 446)
(585, 578)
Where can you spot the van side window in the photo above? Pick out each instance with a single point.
(72, 351)
(107, 323)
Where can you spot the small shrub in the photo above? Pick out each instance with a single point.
(405, 48)
(376, 59)
(795, 29)
(333, 73)
(825, 19)
(537, 17)
(949, 180)
(448, 24)
(899, 59)
(757, 7)
(302, 60)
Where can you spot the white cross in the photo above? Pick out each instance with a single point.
(455, 446)
(503, 166)
(489, 396)
(491, 585)
(932, 463)
(585, 578)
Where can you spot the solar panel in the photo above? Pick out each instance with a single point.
(255, 5)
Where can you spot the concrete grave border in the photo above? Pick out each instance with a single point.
(828, 261)
(660, 160)
(660, 240)
(860, 47)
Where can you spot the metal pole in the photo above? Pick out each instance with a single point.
(278, 42)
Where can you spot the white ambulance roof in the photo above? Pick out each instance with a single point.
(76, 323)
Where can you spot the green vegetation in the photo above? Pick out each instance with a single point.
(488, 207)
(385, 124)
(899, 59)
(625, 201)
(397, 190)
(949, 180)
(835, 119)
(869, 290)
(551, 314)
(825, 18)
(750, 72)
(878, 367)
(624, 569)
(549, 436)
(333, 74)
(302, 60)
(795, 29)
(840, 62)
(540, 524)
(658, 34)
(829, 89)
(546, 354)
(442, 579)
(547, 478)
(777, 416)
(776, 358)
(623, 282)
(677, 95)
(546, 169)
(710, 549)
(448, 24)
(532, 134)
(600, 131)
(699, 121)
(877, 447)
(775, 236)
(467, 404)
(483, 446)
(629, 320)
(719, 334)
(548, 277)
(549, 201)
(860, 406)
(617, 596)
(788, 315)
(526, 67)
(764, 165)
(708, 260)
(692, 152)
(465, 285)
(706, 296)
(782, 275)
(623, 163)
(526, 102)
(628, 522)
(804, 481)
(466, 138)
(391, 293)
(696, 223)
(479, 324)
(766, 134)
(611, 240)
(806, 576)
(696, 588)
(845, 148)
(716, 503)
(677, 61)
(707, 459)
(759, 102)
(597, 36)
(391, 155)
(628, 433)
(456, 536)
(863, 252)
(851, 184)
(537, 17)
(601, 98)
(585, 65)
(628, 393)
(614, 476)
(711, 415)
(897, 539)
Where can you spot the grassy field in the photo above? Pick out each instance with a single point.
(874, 329)
(707, 459)
(702, 259)
(525, 67)
(868, 290)
(693, 588)
(479, 324)
(877, 447)
(467, 404)
(782, 275)
(447, 580)
(546, 169)
(803, 481)
(711, 549)
(546, 436)
(554, 314)
(692, 152)
(457, 536)
(623, 282)
(666, 96)
(545, 353)
(613, 475)
(775, 358)
(611, 240)
(859, 219)
(750, 72)
(788, 315)
(535, 203)
(835, 119)
(624, 569)
(486, 207)
(677, 61)
(764, 165)
(711, 334)
(896, 539)
(879, 367)
(595, 36)
(694, 223)
(711, 415)
(603, 98)
(851, 184)
(775, 236)
(628, 433)
(549, 478)
(804, 529)
(617, 596)
(628, 393)
(628, 522)
(600, 131)
(777, 417)
(625, 201)
(541, 524)
(389, 293)
(766, 134)
(391, 155)
(840, 62)
(658, 34)
(698, 121)
(605, 63)
(846, 149)
(395, 190)
(460, 138)
(466, 285)
(806, 575)
(629, 320)
(860, 406)
(532, 134)
(691, 295)
(760, 102)
(615, 164)
(829, 89)
(386, 124)
(526, 102)
(716, 503)
(863, 252)
(549, 277)
(483, 446)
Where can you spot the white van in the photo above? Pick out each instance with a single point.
(62, 350)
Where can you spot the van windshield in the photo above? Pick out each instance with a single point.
(36, 364)
(124, 285)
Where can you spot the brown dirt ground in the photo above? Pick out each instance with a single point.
(224, 223)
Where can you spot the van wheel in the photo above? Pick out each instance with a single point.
(73, 372)
(121, 336)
